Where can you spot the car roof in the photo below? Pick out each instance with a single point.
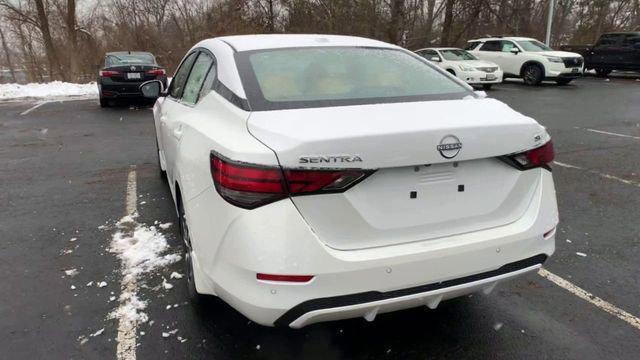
(440, 48)
(129, 52)
(515, 38)
(278, 41)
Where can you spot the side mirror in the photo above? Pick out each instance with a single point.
(152, 89)
(514, 50)
(435, 58)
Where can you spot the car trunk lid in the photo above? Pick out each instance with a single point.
(437, 168)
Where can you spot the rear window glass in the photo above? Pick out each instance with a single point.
(312, 77)
(130, 59)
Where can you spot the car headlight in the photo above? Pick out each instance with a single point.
(554, 59)
(466, 68)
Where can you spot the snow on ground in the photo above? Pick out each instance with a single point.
(140, 249)
(51, 90)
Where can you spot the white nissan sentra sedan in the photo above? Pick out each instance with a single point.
(327, 177)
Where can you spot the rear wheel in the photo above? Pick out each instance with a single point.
(532, 74)
(486, 86)
(194, 296)
(563, 81)
(603, 72)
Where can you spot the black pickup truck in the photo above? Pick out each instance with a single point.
(613, 51)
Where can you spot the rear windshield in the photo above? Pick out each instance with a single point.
(130, 59)
(335, 76)
(455, 55)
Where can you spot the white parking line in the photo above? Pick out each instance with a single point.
(606, 176)
(589, 297)
(35, 107)
(126, 340)
(613, 134)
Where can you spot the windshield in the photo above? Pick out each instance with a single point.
(457, 55)
(130, 59)
(334, 76)
(533, 46)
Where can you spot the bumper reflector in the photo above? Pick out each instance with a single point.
(284, 278)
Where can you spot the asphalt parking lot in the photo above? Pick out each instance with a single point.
(64, 171)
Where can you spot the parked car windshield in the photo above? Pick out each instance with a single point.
(457, 55)
(130, 59)
(334, 76)
(533, 46)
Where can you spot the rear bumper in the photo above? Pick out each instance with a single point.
(373, 302)
(233, 245)
(113, 89)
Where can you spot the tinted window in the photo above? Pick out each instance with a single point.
(493, 45)
(208, 81)
(608, 40)
(180, 78)
(455, 55)
(119, 59)
(428, 54)
(198, 73)
(631, 40)
(333, 76)
(472, 45)
(533, 46)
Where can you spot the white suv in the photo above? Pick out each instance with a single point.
(528, 59)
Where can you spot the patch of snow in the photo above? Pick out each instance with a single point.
(71, 272)
(90, 283)
(73, 287)
(165, 226)
(51, 90)
(166, 285)
(102, 284)
(569, 241)
(169, 333)
(140, 249)
(258, 347)
(581, 254)
(112, 298)
(73, 239)
(97, 333)
(497, 326)
(175, 275)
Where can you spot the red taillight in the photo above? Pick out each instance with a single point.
(108, 73)
(156, 72)
(249, 186)
(284, 278)
(533, 158)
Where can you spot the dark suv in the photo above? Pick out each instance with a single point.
(613, 51)
(124, 71)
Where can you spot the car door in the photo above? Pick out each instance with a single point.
(608, 51)
(510, 62)
(490, 51)
(170, 114)
(631, 51)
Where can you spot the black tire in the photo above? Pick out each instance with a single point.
(603, 72)
(487, 86)
(104, 103)
(563, 81)
(162, 173)
(532, 74)
(195, 297)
